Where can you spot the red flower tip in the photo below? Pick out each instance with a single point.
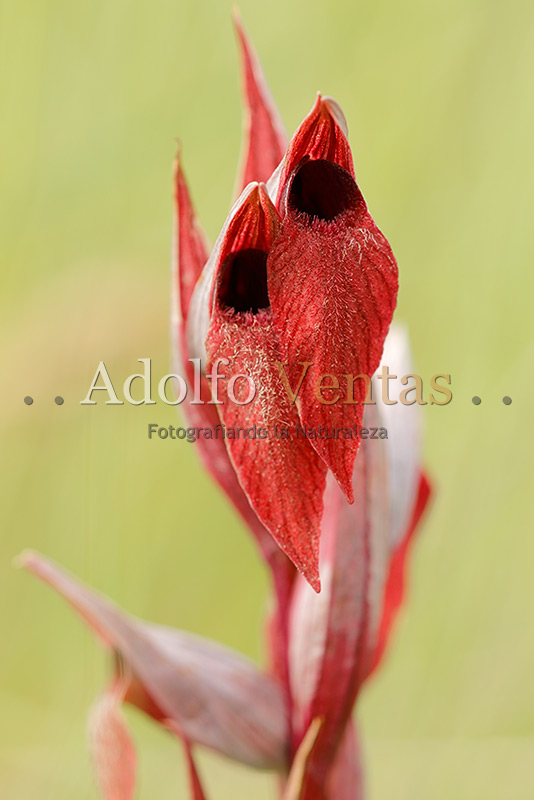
(321, 136)
(190, 247)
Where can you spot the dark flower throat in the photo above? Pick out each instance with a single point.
(243, 282)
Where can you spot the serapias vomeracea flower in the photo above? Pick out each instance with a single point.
(299, 289)
(300, 285)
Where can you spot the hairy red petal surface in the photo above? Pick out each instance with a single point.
(332, 287)
(282, 476)
(332, 282)
(211, 695)
(265, 141)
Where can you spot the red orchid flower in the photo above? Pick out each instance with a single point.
(298, 293)
(300, 284)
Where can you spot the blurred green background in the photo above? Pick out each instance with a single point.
(438, 96)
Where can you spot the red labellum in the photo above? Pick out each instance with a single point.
(332, 283)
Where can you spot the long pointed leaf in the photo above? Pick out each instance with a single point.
(214, 696)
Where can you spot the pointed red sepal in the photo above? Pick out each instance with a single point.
(395, 585)
(332, 282)
(210, 694)
(190, 248)
(264, 142)
(279, 472)
(321, 135)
